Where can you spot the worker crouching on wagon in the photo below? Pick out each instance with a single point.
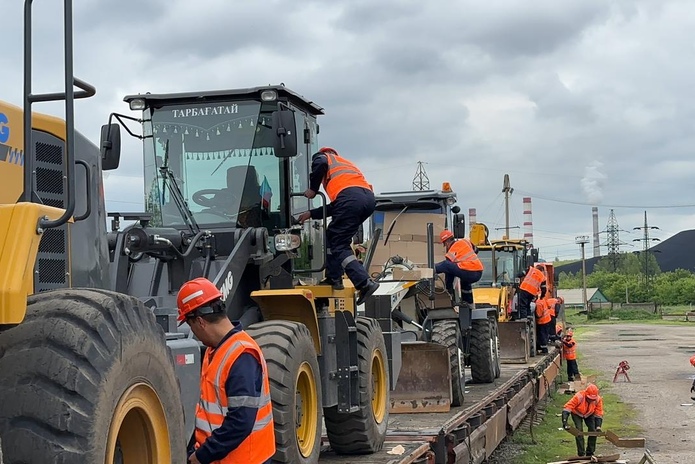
(462, 262)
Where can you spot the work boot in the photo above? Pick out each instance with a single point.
(367, 291)
(336, 285)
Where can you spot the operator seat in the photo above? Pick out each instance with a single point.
(250, 201)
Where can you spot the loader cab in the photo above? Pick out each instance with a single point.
(502, 261)
(438, 202)
(233, 166)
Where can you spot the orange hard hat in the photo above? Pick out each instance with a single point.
(328, 149)
(194, 294)
(692, 360)
(445, 235)
(591, 391)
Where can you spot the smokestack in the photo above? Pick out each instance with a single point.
(528, 220)
(597, 246)
(472, 216)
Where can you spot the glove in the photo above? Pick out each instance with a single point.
(565, 416)
(599, 423)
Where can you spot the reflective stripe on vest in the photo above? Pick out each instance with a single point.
(532, 282)
(214, 403)
(341, 175)
(462, 254)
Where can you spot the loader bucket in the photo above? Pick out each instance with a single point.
(424, 384)
(514, 342)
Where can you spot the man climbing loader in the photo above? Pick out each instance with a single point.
(470, 335)
(94, 367)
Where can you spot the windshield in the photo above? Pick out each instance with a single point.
(503, 267)
(222, 158)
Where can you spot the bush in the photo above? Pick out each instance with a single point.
(622, 314)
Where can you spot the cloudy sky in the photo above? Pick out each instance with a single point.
(581, 102)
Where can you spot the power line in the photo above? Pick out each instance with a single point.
(610, 206)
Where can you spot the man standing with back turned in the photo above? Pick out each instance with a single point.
(352, 202)
(234, 417)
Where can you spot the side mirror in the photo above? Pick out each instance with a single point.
(459, 226)
(456, 209)
(534, 255)
(285, 128)
(110, 146)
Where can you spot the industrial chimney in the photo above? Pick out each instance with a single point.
(528, 220)
(472, 216)
(597, 245)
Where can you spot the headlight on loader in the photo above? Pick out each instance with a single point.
(287, 242)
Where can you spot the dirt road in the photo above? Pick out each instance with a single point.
(661, 376)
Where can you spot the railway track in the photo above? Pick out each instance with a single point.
(466, 434)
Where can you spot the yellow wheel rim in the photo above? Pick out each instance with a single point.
(379, 386)
(306, 410)
(138, 433)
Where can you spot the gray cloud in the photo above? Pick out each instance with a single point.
(476, 90)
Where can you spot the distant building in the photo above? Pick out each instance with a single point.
(573, 296)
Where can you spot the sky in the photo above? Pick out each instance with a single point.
(582, 102)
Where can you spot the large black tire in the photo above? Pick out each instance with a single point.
(447, 333)
(295, 388)
(83, 366)
(364, 431)
(498, 358)
(484, 357)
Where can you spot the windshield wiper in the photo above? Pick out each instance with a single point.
(175, 192)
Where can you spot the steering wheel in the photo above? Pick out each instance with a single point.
(221, 198)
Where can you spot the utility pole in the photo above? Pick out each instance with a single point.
(421, 181)
(508, 190)
(582, 240)
(645, 248)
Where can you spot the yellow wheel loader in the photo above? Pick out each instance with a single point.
(93, 365)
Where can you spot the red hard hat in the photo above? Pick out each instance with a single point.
(591, 391)
(692, 360)
(194, 294)
(446, 235)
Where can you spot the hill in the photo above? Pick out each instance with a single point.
(677, 252)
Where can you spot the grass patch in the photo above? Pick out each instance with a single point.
(575, 318)
(552, 444)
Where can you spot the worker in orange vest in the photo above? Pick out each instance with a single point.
(569, 352)
(692, 388)
(234, 417)
(543, 327)
(586, 406)
(351, 203)
(533, 285)
(461, 260)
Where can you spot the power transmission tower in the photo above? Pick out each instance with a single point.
(646, 240)
(613, 241)
(421, 181)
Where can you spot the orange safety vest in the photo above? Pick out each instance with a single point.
(210, 412)
(579, 406)
(542, 312)
(532, 282)
(569, 350)
(551, 305)
(341, 175)
(462, 254)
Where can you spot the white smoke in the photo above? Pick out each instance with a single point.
(592, 182)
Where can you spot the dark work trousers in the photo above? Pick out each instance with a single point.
(467, 278)
(543, 332)
(349, 210)
(591, 427)
(572, 369)
(552, 334)
(524, 306)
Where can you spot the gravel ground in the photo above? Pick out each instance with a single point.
(660, 374)
(659, 390)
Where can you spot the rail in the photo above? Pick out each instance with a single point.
(472, 434)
